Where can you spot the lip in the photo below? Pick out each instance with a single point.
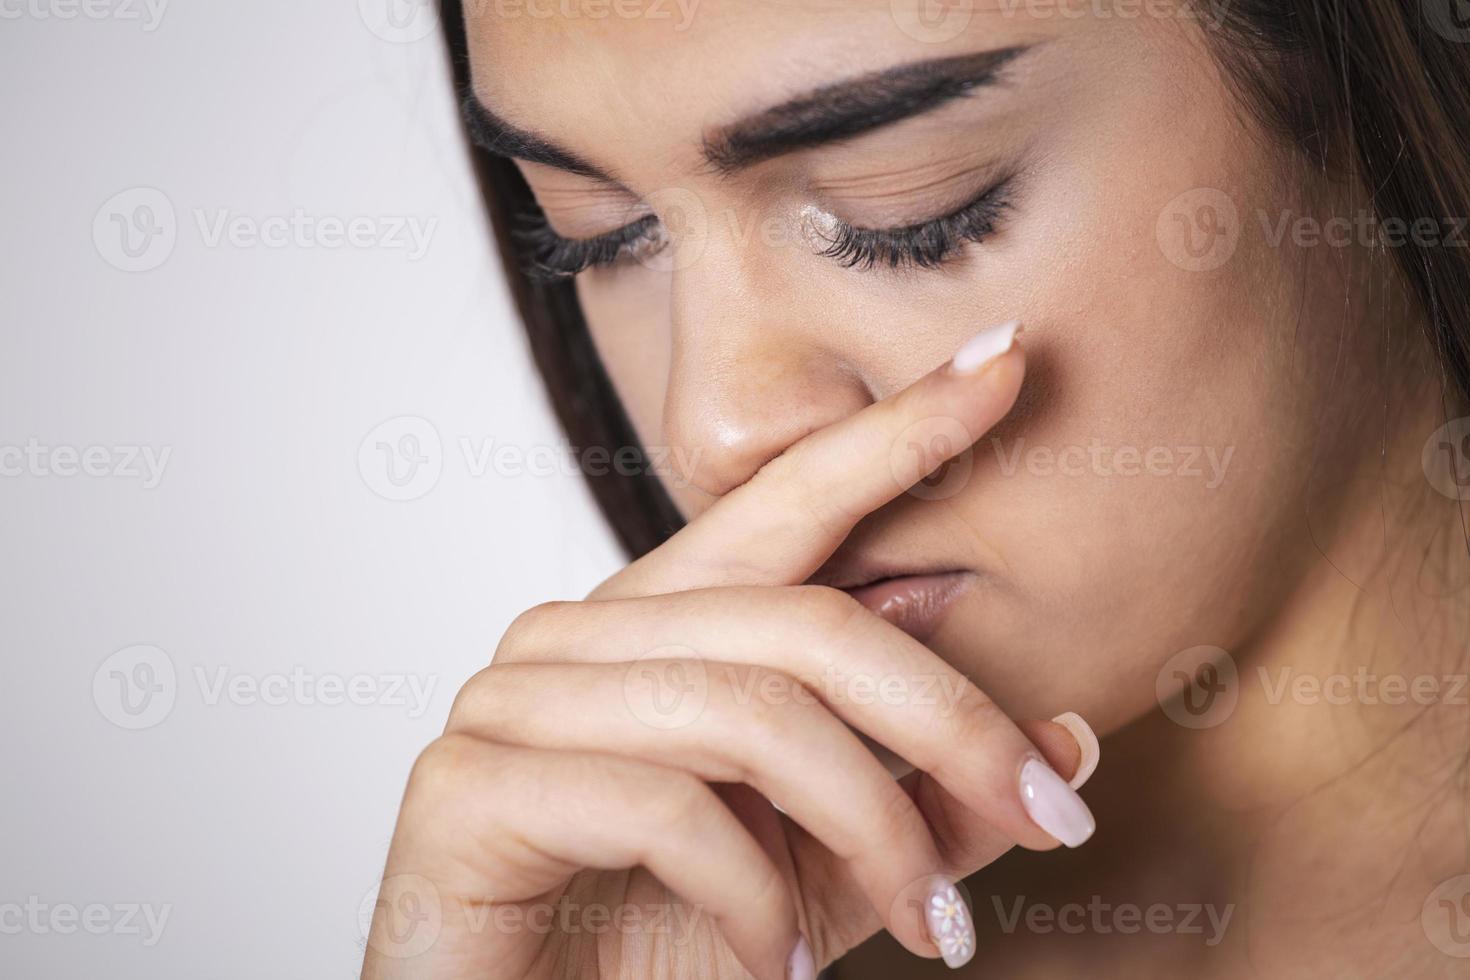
(915, 604)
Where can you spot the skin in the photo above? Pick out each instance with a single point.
(1319, 549)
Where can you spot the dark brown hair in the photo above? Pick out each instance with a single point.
(1378, 90)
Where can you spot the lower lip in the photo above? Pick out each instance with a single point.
(915, 604)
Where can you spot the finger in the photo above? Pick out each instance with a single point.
(870, 674)
(488, 822)
(781, 741)
(778, 527)
(967, 844)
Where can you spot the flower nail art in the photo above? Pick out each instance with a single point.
(949, 924)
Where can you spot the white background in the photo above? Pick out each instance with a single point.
(264, 550)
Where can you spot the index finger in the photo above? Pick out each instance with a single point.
(781, 525)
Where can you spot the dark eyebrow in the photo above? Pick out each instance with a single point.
(833, 112)
(849, 108)
(495, 135)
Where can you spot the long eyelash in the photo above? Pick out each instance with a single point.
(925, 245)
(547, 256)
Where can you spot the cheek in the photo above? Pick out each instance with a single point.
(1172, 418)
(627, 312)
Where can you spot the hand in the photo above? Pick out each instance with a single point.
(567, 824)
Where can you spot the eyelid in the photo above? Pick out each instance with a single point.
(923, 244)
(927, 243)
(913, 194)
(548, 255)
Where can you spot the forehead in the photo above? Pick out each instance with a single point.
(599, 75)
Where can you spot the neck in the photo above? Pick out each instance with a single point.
(1335, 787)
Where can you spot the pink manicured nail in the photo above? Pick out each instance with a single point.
(1086, 741)
(800, 965)
(985, 347)
(949, 923)
(1053, 805)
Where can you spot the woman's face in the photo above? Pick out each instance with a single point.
(1147, 493)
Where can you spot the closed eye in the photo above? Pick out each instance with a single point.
(925, 245)
(549, 256)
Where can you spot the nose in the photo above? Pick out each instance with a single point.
(754, 368)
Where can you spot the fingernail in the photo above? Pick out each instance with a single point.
(985, 347)
(1055, 806)
(1086, 741)
(949, 923)
(800, 965)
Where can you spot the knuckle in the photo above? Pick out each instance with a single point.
(823, 609)
(780, 470)
(753, 714)
(976, 719)
(895, 818)
(528, 632)
(445, 770)
(475, 698)
(788, 480)
(680, 802)
(824, 510)
(760, 701)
